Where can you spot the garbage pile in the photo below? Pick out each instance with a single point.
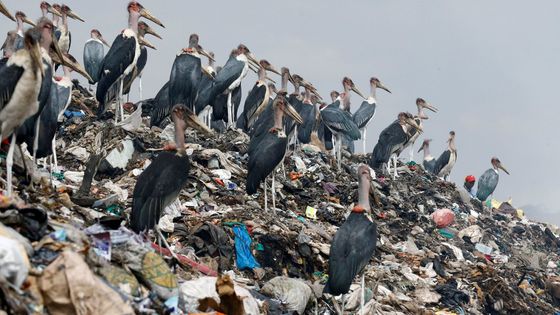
(65, 247)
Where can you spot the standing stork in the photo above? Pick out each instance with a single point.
(93, 55)
(339, 121)
(229, 78)
(143, 29)
(20, 82)
(186, 73)
(421, 104)
(257, 99)
(353, 244)
(366, 112)
(267, 151)
(429, 161)
(65, 38)
(121, 59)
(391, 140)
(447, 159)
(46, 8)
(488, 182)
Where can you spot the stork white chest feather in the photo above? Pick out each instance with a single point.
(94, 40)
(46, 57)
(128, 33)
(24, 101)
(64, 41)
(237, 81)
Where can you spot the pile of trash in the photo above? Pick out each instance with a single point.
(65, 247)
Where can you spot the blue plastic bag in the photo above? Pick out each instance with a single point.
(244, 257)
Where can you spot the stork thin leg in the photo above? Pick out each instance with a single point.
(26, 170)
(363, 297)
(364, 132)
(343, 304)
(54, 155)
(229, 110)
(121, 109)
(273, 191)
(395, 175)
(265, 197)
(36, 139)
(140, 86)
(411, 153)
(162, 238)
(339, 150)
(9, 165)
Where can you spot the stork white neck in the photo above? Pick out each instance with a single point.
(133, 18)
(20, 26)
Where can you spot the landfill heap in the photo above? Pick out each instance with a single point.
(65, 247)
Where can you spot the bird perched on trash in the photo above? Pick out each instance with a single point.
(429, 162)
(354, 243)
(489, 180)
(160, 183)
(447, 159)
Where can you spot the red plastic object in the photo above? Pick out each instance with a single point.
(443, 217)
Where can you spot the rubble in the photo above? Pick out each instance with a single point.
(474, 259)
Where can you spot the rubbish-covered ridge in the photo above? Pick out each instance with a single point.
(65, 247)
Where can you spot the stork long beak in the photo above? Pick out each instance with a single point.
(28, 21)
(421, 149)
(191, 119)
(252, 59)
(145, 13)
(72, 65)
(58, 56)
(292, 112)
(500, 166)
(383, 87)
(5, 11)
(104, 42)
(318, 96)
(413, 123)
(272, 69)
(431, 107)
(144, 42)
(206, 54)
(270, 79)
(54, 11)
(73, 15)
(355, 89)
(151, 31)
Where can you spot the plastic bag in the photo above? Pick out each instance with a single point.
(443, 217)
(244, 257)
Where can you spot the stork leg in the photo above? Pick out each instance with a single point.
(411, 153)
(364, 132)
(36, 139)
(229, 110)
(55, 160)
(339, 150)
(363, 297)
(395, 175)
(273, 191)
(27, 174)
(343, 304)
(121, 109)
(140, 86)
(265, 197)
(10, 164)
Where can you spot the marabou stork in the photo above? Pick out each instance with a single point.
(391, 140)
(354, 243)
(324, 133)
(160, 184)
(429, 161)
(143, 29)
(20, 82)
(93, 55)
(229, 78)
(20, 19)
(447, 159)
(366, 112)
(489, 180)
(186, 73)
(267, 151)
(339, 121)
(60, 97)
(65, 38)
(257, 99)
(421, 104)
(121, 59)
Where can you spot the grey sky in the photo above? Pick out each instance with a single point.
(491, 67)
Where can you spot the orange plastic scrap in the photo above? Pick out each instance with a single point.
(295, 175)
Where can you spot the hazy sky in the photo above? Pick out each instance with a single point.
(491, 67)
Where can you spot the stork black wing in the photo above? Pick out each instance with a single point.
(364, 114)
(264, 158)
(254, 99)
(390, 138)
(442, 160)
(9, 78)
(93, 59)
(162, 107)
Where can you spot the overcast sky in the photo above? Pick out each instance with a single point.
(491, 67)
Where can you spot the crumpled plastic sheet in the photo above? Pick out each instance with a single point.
(244, 257)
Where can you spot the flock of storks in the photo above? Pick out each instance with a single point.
(33, 98)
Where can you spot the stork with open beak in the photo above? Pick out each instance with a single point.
(257, 99)
(65, 38)
(339, 121)
(447, 159)
(267, 151)
(21, 18)
(93, 55)
(121, 60)
(421, 105)
(489, 180)
(391, 140)
(363, 116)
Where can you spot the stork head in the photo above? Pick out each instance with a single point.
(422, 104)
(272, 87)
(242, 49)
(66, 10)
(144, 28)
(497, 164)
(54, 9)
(334, 95)
(281, 104)
(22, 17)
(9, 44)
(193, 41)
(406, 118)
(425, 144)
(267, 66)
(95, 33)
(375, 83)
(349, 85)
(135, 7)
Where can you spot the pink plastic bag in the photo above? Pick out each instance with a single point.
(443, 217)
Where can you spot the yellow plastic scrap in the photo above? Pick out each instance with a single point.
(520, 213)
